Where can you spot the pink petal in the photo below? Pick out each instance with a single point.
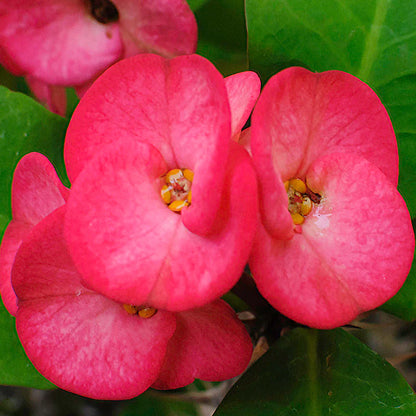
(179, 106)
(12, 238)
(36, 189)
(36, 192)
(117, 225)
(80, 340)
(210, 343)
(354, 252)
(243, 90)
(46, 39)
(165, 27)
(128, 245)
(301, 116)
(53, 97)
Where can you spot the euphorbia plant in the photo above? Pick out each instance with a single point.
(115, 281)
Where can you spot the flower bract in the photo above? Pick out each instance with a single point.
(145, 122)
(335, 237)
(36, 192)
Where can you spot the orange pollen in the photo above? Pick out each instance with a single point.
(176, 191)
(145, 312)
(301, 200)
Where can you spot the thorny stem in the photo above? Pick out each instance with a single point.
(268, 322)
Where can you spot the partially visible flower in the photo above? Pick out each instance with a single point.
(335, 237)
(163, 205)
(90, 345)
(60, 43)
(36, 192)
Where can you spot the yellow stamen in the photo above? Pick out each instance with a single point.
(298, 185)
(188, 174)
(189, 199)
(173, 174)
(286, 185)
(130, 309)
(166, 195)
(306, 206)
(297, 218)
(146, 312)
(177, 206)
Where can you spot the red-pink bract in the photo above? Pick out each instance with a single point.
(355, 248)
(70, 42)
(141, 118)
(36, 192)
(88, 344)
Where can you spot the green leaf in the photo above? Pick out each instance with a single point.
(154, 404)
(25, 126)
(222, 36)
(373, 39)
(315, 373)
(15, 368)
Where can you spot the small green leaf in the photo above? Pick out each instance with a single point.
(315, 373)
(374, 40)
(15, 368)
(25, 126)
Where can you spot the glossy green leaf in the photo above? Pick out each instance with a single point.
(317, 373)
(15, 368)
(222, 34)
(372, 39)
(25, 126)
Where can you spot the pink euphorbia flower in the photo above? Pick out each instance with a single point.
(152, 134)
(60, 43)
(36, 192)
(90, 345)
(335, 237)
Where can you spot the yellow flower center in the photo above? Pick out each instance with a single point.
(301, 200)
(143, 311)
(176, 192)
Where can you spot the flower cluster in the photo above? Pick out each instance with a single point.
(60, 43)
(115, 282)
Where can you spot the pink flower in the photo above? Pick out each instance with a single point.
(36, 192)
(150, 137)
(335, 237)
(90, 345)
(60, 43)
